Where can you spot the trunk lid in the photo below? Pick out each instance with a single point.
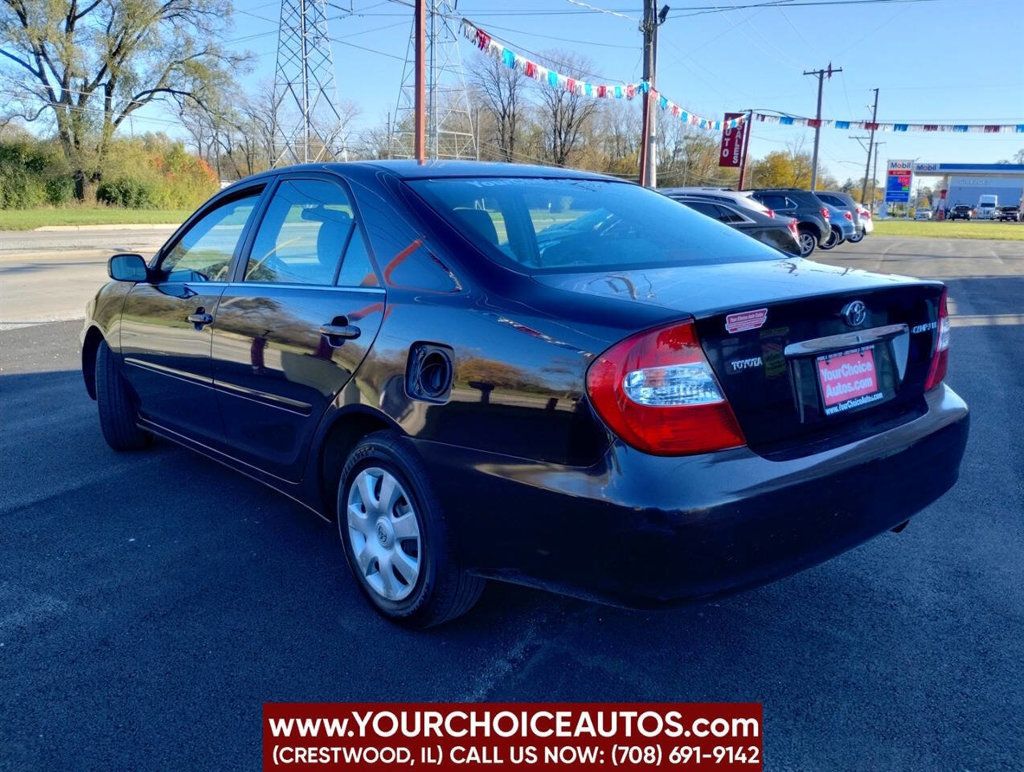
(784, 352)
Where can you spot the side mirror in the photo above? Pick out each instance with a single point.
(127, 267)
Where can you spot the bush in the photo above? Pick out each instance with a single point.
(128, 192)
(22, 175)
(60, 190)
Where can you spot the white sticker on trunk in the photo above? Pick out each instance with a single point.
(746, 320)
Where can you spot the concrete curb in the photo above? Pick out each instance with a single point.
(107, 227)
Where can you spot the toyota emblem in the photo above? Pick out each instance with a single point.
(854, 313)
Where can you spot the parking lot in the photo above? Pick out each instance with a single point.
(151, 602)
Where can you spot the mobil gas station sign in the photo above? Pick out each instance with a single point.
(898, 178)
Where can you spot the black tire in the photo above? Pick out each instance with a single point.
(835, 238)
(116, 405)
(857, 237)
(443, 590)
(807, 241)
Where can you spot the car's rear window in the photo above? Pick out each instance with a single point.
(563, 225)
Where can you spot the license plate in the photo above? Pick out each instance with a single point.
(848, 380)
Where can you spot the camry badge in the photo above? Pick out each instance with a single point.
(854, 313)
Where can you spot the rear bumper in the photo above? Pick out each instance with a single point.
(639, 530)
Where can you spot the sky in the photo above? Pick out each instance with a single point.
(934, 61)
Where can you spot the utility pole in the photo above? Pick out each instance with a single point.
(817, 123)
(874, 176)
(420, 106)
(653, 18)
(871, 144)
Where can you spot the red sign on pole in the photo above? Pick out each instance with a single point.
(731, 152)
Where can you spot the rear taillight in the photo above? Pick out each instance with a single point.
(793, 228)
(825, 214)
(940, 356)
(657, 392)
(865, 214)
(848, 216)
(771, 213)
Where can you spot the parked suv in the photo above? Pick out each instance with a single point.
(845, 202)
(1007, 213)
(961, 212)
(812, 216)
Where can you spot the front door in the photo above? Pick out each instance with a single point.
(166, 325)
(295, 326)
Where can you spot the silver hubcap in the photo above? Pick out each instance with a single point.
(806, 242)
(384, 533)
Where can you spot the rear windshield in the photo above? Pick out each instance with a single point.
(564, 225)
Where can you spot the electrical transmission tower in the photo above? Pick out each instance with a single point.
(309, 126)
(449, 117)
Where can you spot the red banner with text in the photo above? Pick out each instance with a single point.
(731, 151)
(542, 736)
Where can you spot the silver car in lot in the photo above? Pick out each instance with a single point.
(845, 202)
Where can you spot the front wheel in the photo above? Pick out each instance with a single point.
(116, 405)
(835, 238)
(396, 537)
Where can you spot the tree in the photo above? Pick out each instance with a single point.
(501, 93)
(564, 114)
(93, 63)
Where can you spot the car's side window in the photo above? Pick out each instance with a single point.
(356, 269)
(204, 253)
(730, 215)
(705, 207)
(302, 235)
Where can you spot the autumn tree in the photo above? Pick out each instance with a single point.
(90, 64)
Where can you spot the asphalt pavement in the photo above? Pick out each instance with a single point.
(151, 602)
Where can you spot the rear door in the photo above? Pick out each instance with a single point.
(166, 325)
(296, 322)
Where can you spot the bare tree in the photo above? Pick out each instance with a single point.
(501, 91)
(565, 113)
(92, 63)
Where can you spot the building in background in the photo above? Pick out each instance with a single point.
(962, 183)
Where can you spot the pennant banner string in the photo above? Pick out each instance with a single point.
(955, 128)
(486, 43)
(531, 69)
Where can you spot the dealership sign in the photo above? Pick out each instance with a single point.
(898, 179)
(731, 151)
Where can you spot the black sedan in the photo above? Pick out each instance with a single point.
(532, 375)
(767, 227)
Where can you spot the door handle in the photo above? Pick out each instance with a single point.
(200, 318)
(337, 334)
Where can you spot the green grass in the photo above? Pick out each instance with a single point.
(28, 219)
(958, 229)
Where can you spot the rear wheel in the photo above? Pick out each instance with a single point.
(116, 405)
(396, 538)
(857, 237)
(835, 238)
(808, 241)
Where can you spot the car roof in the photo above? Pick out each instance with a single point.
(411, 169)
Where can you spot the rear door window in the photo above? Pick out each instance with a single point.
(302, 235)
